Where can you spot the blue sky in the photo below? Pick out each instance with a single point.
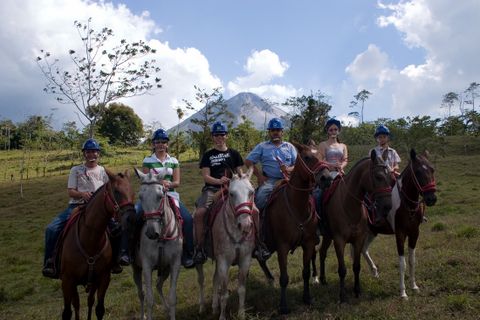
(407, 53)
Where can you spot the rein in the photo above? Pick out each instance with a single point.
(168, 230)
(312, 172)
(419, 204)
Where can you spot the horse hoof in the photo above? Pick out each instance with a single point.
(404, 297)
(316, 281)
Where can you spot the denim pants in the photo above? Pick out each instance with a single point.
(263, 193)
(53, 230)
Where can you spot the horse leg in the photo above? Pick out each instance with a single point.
(266, 271)
(412, 243)
(282, 254)
(400, 238)
(316, 279)
(101, 292)
(215, 298)
(172, 292)
(163, 273)
(366, 254)
(326, 242)
(201, 284)
(222, 284)
(147, 276)
(308, 251)
(137, 278)
(342, 270)
(243, 267)
(357, 252)
(91, 301)
(69, 290)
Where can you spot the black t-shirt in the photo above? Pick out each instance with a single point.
(221, 163)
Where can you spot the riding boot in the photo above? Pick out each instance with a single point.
(261, 252)
(199, 255)
(49, 269)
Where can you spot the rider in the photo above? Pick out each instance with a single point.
(160, 162)
(83, 181)
(217, 165)
(392, 159)
(335, 154)
(382, 135)
(277, 158)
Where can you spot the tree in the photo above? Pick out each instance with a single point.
(308, 113)
(448, 101)
(245, 136)
(98, 76)
(215, 109)
(121, 125)
(7, 129)
(361, 96)
(472, 93)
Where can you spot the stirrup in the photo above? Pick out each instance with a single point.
(199, 256)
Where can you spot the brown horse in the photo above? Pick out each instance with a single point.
(417, 180)
(86, 255)
(291, 220)
(346, 218)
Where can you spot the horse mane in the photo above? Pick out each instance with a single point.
(358, 163)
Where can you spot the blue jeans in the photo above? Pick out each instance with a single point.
(263, 193)
(187, 229)
(317, 194)
(53, 230)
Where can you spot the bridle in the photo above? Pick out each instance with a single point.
(319, 166)
(429, 187)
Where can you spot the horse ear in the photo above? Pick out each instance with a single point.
(249, 172)
(298, 146)
(110, 174)
(426, 154)
(139, 173)
(127, 173)
(413, 154)
(373, 155)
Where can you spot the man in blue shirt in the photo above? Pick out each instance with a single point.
(277, 158)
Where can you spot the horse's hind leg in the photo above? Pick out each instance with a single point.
(326, 242)
(266, 271)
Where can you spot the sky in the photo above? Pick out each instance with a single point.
(408, 54)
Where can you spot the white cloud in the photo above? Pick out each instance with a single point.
(28, 26)
(262, 68)
(370, 66)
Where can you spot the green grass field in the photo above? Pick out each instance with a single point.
(448, 259)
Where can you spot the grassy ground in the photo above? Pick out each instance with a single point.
(448, 260)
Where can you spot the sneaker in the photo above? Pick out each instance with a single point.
(124, 260)
(116, 268)
(199, 256)
(261, 253)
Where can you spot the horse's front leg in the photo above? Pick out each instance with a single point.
(201, 284)
(243, 267)
(366, 254)
(91, 301)
(172, 293)
(316, 279)
(221, 271)
(101, 292)
(357, 252)
(163, 273)
(147, 276)
(282, 256)
(137, 278)
(326, 242)
(308, 251)
(400, 239)
(412, 243)
(69, 292)
(342, 270)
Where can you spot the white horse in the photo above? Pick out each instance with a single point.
(160, 245)
(233, 239)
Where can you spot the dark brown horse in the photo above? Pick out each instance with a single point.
(346, 218)
(291, 220)
(414, 188)
(86, 255)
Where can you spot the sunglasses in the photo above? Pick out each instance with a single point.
(219, 135)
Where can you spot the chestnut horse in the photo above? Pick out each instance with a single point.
(291, 219)
(233, 241)
(417, 179)
(346, 218)
(86, 255)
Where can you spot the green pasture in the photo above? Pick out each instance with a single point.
(448, 258)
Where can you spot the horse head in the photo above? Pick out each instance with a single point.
(240, 196)
(311, 167)
(121, 194)
(380, 183)
(151, 195)
(423, 176)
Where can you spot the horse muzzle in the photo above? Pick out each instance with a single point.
(430, 199)
(153, 231)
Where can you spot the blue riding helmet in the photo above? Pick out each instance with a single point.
(219, 128)
(381, 129)
(331, 122)
(275, 123)
(160, 134)
(91, 144)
